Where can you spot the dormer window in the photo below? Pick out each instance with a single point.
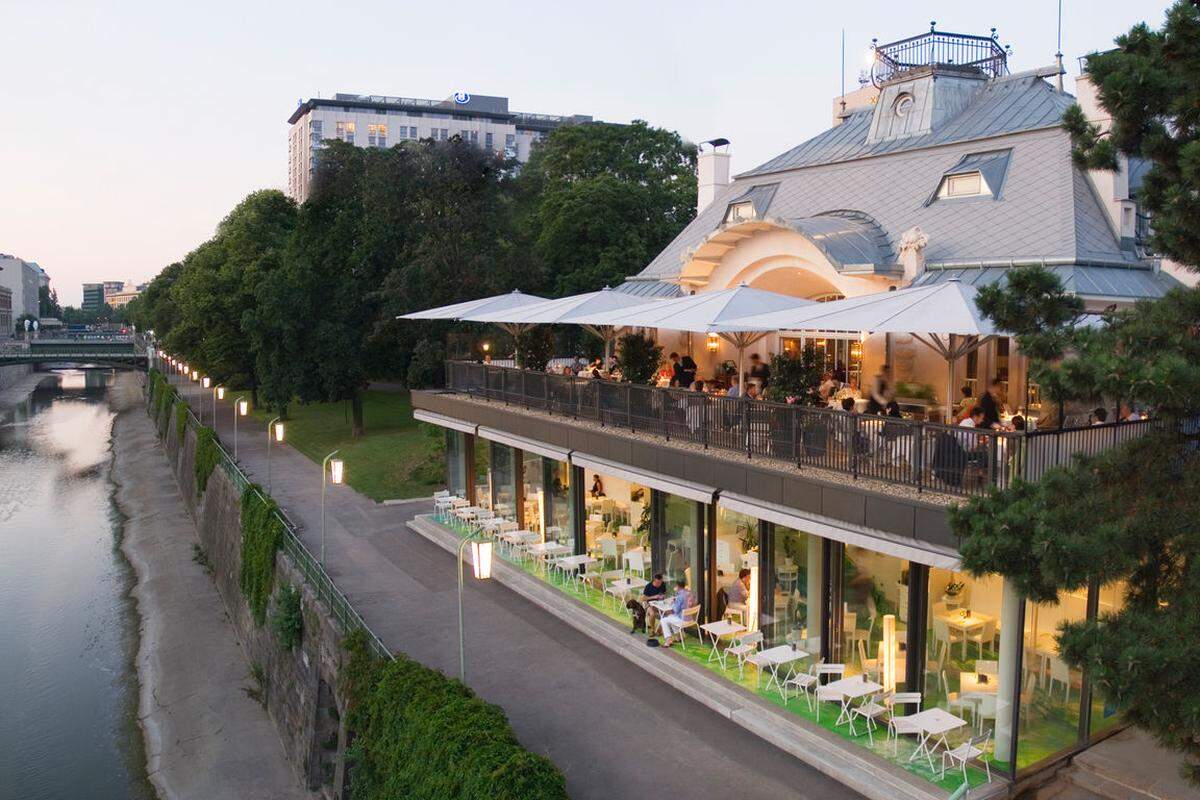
(740, 212)
(975, 175)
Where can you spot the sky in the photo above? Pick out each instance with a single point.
(130, 128)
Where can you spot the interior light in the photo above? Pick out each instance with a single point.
(712, 342)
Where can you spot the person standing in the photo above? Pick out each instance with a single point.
(992, 405)
(759, 370)
(881, 390)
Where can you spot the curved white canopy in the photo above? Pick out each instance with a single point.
(499, 302)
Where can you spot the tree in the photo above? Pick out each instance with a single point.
(601, 200)
(48, 303)
(535, 348)
(638, 357)
(154, 309)
(796, 378)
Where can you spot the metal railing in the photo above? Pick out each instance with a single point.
(334, 599)
(937, 47)
(927, 456)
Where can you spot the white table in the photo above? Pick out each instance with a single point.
(851, 689)
(715, 631)
(934, 723)
(520, 538)
(956, 621)
(774, 658)
(574, 562)
(547, 550)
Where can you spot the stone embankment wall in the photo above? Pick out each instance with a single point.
(11, 373)
(298, 686)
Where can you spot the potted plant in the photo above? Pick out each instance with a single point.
(952, 595)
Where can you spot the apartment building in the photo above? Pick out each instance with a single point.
(382, 121)
(22, 278)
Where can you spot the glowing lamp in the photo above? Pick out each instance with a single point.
(206, 381)
(887, 660)
(195, 375)
(486, 346)
(279, 432)
(337, 470)
(220, 392)
(712, 342)
(243, 407)
(481, 559)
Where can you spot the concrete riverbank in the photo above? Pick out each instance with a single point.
(207, 736)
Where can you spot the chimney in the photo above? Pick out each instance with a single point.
(712, 171)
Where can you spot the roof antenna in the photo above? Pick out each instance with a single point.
(843, 72)
(1058, 57)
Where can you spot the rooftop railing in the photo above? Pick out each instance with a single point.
(926, 456)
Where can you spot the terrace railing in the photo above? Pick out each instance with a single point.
(927, 456)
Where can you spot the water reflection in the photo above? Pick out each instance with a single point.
(68, 725)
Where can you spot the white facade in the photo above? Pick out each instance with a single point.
(380, 121)
(22, 278)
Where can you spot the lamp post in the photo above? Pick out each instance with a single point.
(481, 564)
(241, 408)
(206, 382)
(336, 474)
(274, 434)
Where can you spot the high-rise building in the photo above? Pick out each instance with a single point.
(6, 316)
(382, 121)
(93, 296)
(23, 279)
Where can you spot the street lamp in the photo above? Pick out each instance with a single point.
(274, 434)
(206, 382)
(241, 408)
(336, 474)
(481, 563)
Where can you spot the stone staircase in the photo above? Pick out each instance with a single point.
(1126, 766)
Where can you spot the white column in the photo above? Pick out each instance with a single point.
(815, 591)
(1010, 668)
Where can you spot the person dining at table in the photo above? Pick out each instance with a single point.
(828, 386)
(656, 589)
(735, 387)
(673, 623)
(738, 594)
(753, 392)
(597, 487)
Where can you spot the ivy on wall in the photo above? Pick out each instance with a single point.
(262, 533)
(288, 619)
(181, 418)
(206, 458)
(421, 734)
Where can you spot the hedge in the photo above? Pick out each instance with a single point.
(181, 417)
(207, 456)
(262, 533)
(419, 734)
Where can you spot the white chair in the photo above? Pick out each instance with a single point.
(937, 665)
(636, 563)
(869, 711)
(902, 726)
(870, 666)
(985, 710)
(985, 634)
(618, 593)
(691, 619)
(1060, 673)
(608, 550)
(824, 694)
(743, 647)
(942, 633)
(803, 682)
(969, 750)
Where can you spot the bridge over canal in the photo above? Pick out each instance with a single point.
(119, 351)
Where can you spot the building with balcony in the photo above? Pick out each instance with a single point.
(821, 534)
(382, 121)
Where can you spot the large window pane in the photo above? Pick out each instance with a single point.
(617, 520)
(873, 586)
(503, 481)
(534, 495)
(963, 664)
(678, 556)
(456, 462)
(737, 552)
(1050, 691)
(558, 495)
(791, 612)
(1104, 714)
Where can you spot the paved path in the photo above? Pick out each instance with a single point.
(614, 730)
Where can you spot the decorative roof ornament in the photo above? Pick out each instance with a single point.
(961, 50)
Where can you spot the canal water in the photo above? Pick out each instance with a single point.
(68, 633)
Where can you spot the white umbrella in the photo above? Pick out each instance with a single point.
(934, 315)
(567, 310)
(499, 302)
(706, 312)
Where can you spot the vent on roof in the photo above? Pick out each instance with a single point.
(750, 204)
(975, 175)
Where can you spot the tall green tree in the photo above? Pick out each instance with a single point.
(154, 309)
(601, 200)
(48, 302)
(1129, 514)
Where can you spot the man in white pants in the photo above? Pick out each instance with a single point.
(672, 623)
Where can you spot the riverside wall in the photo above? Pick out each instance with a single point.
(297, 686)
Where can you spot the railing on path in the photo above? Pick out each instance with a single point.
(927, 456)
(335, 600)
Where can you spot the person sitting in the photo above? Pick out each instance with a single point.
(892, 410)
(656, 589)
(597, 487)
(965, 404)
(735, 387)
(1100, 416)
(698, 386)
(673, 623)
(1018, 423)
(828, 386)
(752, 392)
(848, 404)
(974, 419)
(1126, 414)
(738, 594)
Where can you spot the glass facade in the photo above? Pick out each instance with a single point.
(979, 650)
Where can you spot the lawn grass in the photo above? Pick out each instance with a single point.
(396, 458)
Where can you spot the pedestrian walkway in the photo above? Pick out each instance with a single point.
(614, 730)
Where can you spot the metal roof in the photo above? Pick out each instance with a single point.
(1005, 105)
(1086, 281)
(848, 240)
(650, 289)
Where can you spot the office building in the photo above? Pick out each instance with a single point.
(382, 121)
(93, 296)
(22, 278)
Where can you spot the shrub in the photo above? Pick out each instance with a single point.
(535, 348)
(796, 379)
(638, 357)
(181, 418)
(207, 456)
(261, 535)
(421, 734)
(288, 620)
(427, 368)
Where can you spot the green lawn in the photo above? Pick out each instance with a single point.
(396, 458)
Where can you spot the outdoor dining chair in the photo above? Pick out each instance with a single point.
(743, 647)
(870, 711)
(902, 725)
(969, 750)
(804, 682)
(823, 694)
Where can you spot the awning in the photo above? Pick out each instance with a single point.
(443, 421)
(878, 541)
(521, 443)
(685, 489)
